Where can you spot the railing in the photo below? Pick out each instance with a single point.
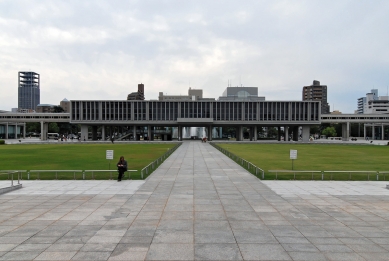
(329, 174)
(11, 174)
(250, 167)
(76, 174)
(38, 172)
(83, 174)
(110, 173)
(146, 171)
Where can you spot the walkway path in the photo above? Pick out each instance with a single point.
(199, 205)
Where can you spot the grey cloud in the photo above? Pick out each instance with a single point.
(89, 47)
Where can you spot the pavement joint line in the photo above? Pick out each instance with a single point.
(263, 219)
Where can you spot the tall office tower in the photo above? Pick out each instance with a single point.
(141, 91)
(316, 92)
(29, 90)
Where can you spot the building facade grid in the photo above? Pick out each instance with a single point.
(163, 111)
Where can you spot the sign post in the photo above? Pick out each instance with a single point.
(293, 156)
(109, 156)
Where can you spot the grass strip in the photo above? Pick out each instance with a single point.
(78, 157)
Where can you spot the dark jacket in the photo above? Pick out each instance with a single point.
(124, 167)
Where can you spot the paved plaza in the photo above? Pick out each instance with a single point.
(198, 205)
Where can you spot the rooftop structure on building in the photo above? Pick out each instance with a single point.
(28, 90)
(65, 104)
(241, 94)
(139, 95)
(317, 92)
(45, 108)
(336, 112)
(193, 95)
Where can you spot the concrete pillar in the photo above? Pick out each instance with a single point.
(16, 130)
(239, 133)
(382, 132)
(286, 131)
(345, 131)
(6, 130)
(148, 132)
(279, 133)
(255, 132)
(364, 131)
(44, 130)
(103, 132)
(134, 132)
(305, 134)
(84, 132)
(179, 133)
(220, 132)
(372, 132)
(24, 130)
(209, 133)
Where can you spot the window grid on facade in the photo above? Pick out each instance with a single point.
(218, 111)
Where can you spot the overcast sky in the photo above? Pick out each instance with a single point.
(101, 50)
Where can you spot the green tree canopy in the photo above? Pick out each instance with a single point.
(33, 127)
(329, 132)
(58, 109)
(53, 127)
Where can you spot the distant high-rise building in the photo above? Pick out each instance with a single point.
(317, 92)
(139, 95)
(29, 90)
(361, 105)
(373, 104)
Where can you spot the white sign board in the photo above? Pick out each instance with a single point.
(109, 154)
(293, 154)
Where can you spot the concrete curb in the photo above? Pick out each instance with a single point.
(8, 189)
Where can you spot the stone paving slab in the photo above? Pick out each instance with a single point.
(198, 205)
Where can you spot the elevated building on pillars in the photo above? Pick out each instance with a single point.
(291, 115)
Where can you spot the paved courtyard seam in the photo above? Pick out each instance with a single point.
(198, 205)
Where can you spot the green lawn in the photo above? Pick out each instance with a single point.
(322, 157)
(78, 157)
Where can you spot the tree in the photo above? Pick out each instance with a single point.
(58, 109)
(329, 132)
(261, 132)
(314, 129)
(33, 127)
(272, 132)
(53, 127)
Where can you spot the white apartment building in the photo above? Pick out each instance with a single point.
(373, 104)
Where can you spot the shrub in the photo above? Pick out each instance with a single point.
(2, 142)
